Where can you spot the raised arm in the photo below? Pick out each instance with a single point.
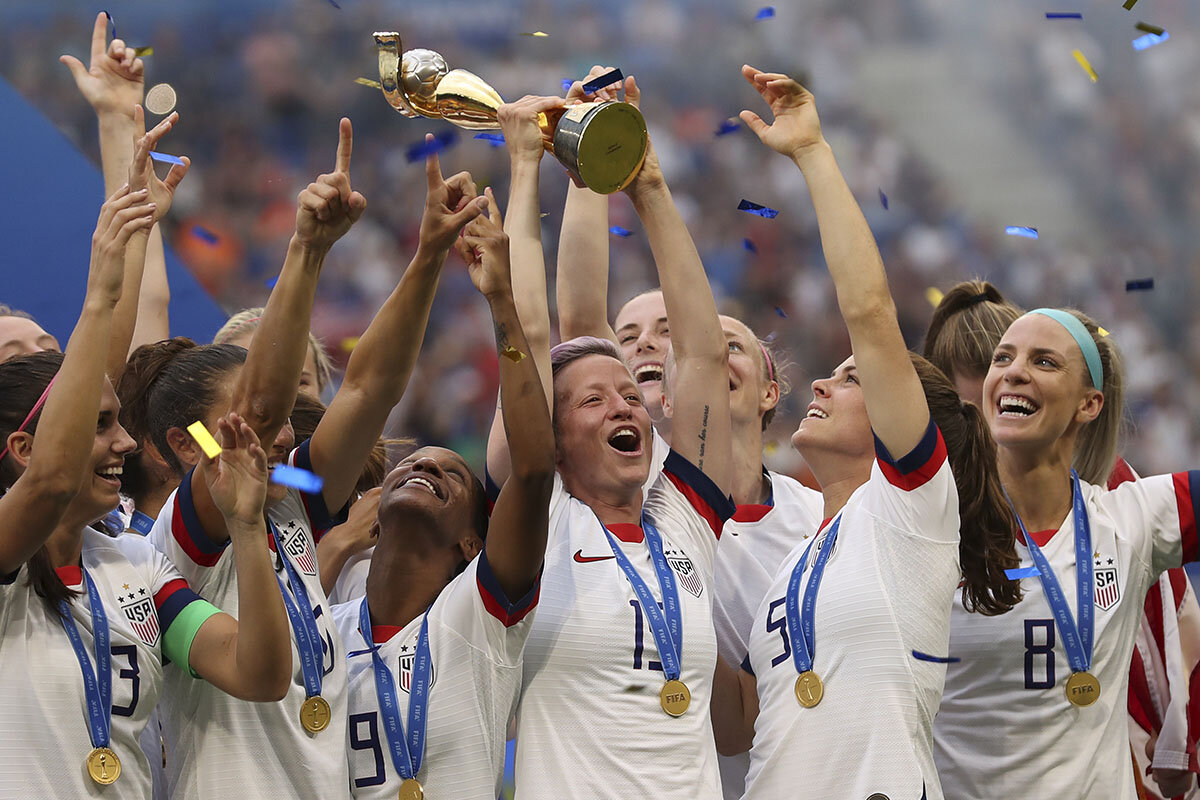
(55, 467)
(891, 389)
(519, 121)
(516, 540)
(581, 280)
(383, 360)
(700, 426)
(265, 390)
(113, 84)
(249, 657)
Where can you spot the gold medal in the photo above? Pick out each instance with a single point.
(411, 789)
(675, 698)
(103, 765)
(809, 689)
(1083, 689)
(315, 714)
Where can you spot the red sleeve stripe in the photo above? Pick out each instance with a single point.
(699, 490)
(917, 468)
(186, 528)
(172, 598)
(1187, 498)
(496, 601)
(1139, 704)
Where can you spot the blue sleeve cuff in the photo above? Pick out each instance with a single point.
(314, 504)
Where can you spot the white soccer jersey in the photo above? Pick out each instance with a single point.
(44, 730)
(1005, 728)
(351, 583)
(885, 595)
(590, 723)
(754, 542)
(476, 636)
(219, 746)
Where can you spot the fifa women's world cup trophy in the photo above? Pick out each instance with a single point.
(602, 143)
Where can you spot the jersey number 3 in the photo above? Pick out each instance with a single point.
(1039, 653)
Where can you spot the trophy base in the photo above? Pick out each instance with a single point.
(602, 144)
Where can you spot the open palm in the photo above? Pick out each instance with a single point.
(237, 478)
(141, 169)
(796, 127)
(115, 79)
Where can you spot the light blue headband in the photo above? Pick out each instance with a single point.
(1079, 332)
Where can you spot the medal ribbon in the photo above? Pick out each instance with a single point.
(668, 628)
(801, 617)
(407, 752)
(97, 686)
(1077, 640)
(308, 635)
(142, 523)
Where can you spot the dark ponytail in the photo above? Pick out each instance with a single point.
(987, 540)
(22, 381)
(133, 390)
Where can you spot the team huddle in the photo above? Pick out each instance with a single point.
(212, 585)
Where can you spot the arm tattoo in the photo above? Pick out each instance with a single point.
(501, 335)
(703, 436)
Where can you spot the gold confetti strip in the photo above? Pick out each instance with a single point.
(538, 34)
(934, 296)
(512, 354)
(543, 215)
(161, 99)
(368, 82)
(771, 447)
(1129, 4)
(1148, 28)
(1087, 66)
(143, 51)
(1102, 331)
(349, 343)
(203, 438)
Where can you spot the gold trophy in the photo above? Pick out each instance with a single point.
(602, 143)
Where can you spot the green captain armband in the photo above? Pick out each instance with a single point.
(177, 640)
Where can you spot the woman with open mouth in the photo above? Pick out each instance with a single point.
(616, 692)
(851, 640)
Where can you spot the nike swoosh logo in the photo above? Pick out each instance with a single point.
(582, 559)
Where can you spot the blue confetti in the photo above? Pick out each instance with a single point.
(1149, 40)
(607, 79)
(617, 230)
(749, 245)
(770, 337)
(204, 234)
(780, 312)
(165, 158)
(566, 84)
(335, 5)
(1021, 230)
(421, 149)
(270, 282)
(766, 12)
(297, 478)
(1022, 572)
(755, 208)
(494, 139)
(1063, 15)
(112, 25)
(728, 126)
(883, 201)
(1144, 284)
(917, 654)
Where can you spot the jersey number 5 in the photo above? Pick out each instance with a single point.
(1039, 653)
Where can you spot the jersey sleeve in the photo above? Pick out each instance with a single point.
(688, 507)
(320, 518)
(1164, 507)
(476, 609)
(180, 610)
(916, 492)
(178, 535)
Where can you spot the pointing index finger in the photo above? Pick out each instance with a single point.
(433, 167)
(100, 37)
(345, 146)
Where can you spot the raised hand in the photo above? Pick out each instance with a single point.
(650, 176)
(797, 128)
(576, 94)
(449, 205)
(519, 122)
(114, 81)
(237, 478)
(141, 169)
(484, 246)
(328, 206)
(121, 215)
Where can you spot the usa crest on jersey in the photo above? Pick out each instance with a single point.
(295, 544)
(406, 668)
(1108, 585)
(138, 608)
(686, 572)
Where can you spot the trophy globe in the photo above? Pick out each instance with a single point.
(420, 72)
